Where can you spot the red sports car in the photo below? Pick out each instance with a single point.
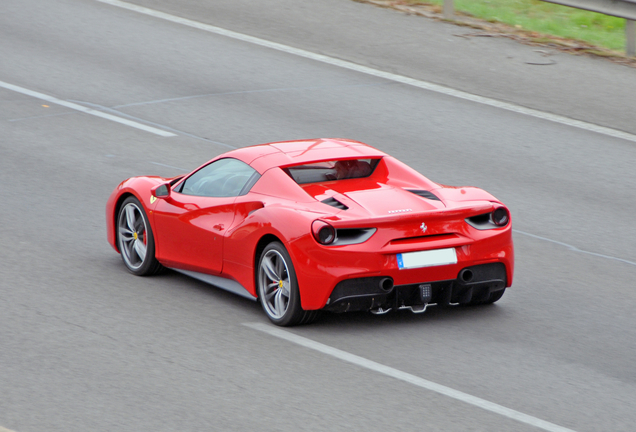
(324, 224)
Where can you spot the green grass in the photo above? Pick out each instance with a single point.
(534, 15)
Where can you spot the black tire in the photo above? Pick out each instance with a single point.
(492, 297)
(278, 288)
(135, 240)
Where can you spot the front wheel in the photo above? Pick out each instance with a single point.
(135, 240)
(278, 288)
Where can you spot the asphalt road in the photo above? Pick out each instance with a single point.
(85, 346)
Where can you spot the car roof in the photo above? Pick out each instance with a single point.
(285, 153)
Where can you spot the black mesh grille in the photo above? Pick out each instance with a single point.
(334, 203)
(424, 194)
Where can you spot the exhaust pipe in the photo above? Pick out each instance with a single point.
(386, 284)
(466, 275)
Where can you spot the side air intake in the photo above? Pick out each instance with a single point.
(334, 203)
(424, 194)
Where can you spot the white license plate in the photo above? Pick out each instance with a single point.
(429, 258)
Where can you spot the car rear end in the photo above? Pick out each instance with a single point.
(408, 261)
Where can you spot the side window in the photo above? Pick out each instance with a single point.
(222, 178)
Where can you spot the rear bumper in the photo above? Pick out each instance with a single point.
(472, 283)
(343, 270)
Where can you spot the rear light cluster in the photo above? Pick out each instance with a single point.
(324, 233)
(499, 217)
(327, 235)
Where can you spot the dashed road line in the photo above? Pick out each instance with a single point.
(165, 128)
(406, 377)
(86, 110)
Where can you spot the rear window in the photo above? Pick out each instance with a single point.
(341, 169)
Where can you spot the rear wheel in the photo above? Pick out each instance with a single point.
(278, 288)
(135, 240)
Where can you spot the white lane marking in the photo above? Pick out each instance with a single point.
(85, 110)
(375, 72)
(5, 429)
(406, 377)
(165, 128)
(574, 248)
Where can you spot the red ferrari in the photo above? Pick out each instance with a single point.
(324, 224)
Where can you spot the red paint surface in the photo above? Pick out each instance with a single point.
(219, 236)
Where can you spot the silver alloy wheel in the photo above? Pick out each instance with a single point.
(274, 284)
(132, 235)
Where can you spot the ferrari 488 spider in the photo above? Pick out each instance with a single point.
(325, 224)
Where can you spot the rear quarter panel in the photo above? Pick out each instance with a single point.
(261, 222)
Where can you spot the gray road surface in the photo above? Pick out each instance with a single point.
(85, 346)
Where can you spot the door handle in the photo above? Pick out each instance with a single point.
(218, 227)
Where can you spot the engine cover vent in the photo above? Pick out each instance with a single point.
(424, 194)
(334, 203)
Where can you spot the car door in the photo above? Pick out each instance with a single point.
(191, 223)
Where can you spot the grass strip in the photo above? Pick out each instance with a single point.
(547, 18)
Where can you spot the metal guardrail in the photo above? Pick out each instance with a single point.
(618, 8)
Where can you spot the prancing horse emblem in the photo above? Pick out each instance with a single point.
(423, 227)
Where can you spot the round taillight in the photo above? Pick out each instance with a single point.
(500, 216)
(324, 233)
